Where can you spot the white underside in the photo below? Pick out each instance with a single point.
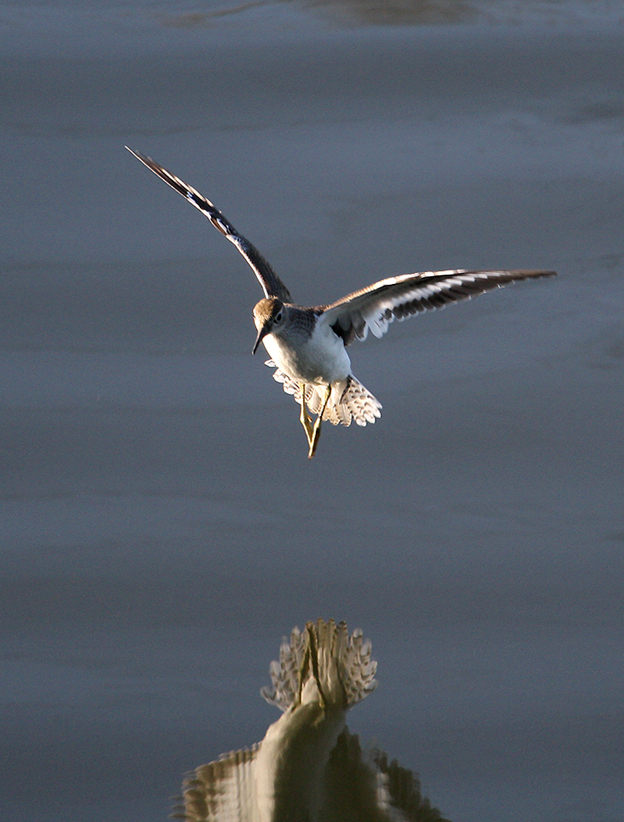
(322, 360)
(316, 364)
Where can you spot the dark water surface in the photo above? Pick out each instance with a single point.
(161, 526)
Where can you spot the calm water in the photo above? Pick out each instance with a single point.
(161, 526)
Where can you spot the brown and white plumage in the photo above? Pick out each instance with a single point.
(307, 345)
(268, 279)
(396, 298)
(309, 767)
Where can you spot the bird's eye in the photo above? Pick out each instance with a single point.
(278, 317)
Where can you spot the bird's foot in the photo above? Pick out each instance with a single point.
(316, 435)
(313, 432)
(316, 431)
(304, 417)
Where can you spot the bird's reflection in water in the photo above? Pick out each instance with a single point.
(309, 767)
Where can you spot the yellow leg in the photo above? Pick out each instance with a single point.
(316, 431)
(304, 417)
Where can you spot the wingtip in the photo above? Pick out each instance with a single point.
(519, 274)
(542, 273)
(141, 157)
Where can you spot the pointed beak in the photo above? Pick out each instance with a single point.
(261, 335)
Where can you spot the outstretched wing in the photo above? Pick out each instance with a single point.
(268, 279)
(396, 298)
(221, 791)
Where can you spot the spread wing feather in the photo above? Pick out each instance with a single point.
(221, 791)
(268, 279)
(357, 787)
(365, 787)
(396, 298)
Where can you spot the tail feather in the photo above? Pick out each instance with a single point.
(341, 664)
(348, 402)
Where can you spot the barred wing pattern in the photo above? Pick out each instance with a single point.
(359, 787)
(396, 298)
(366, 787)
(268, 279)
(221, 791)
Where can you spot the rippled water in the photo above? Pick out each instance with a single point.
(161, 526)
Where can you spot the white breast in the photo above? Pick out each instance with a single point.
(322, 359)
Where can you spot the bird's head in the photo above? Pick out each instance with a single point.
(269, 316)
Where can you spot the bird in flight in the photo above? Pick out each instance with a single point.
(307, 345)
(309, 767)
